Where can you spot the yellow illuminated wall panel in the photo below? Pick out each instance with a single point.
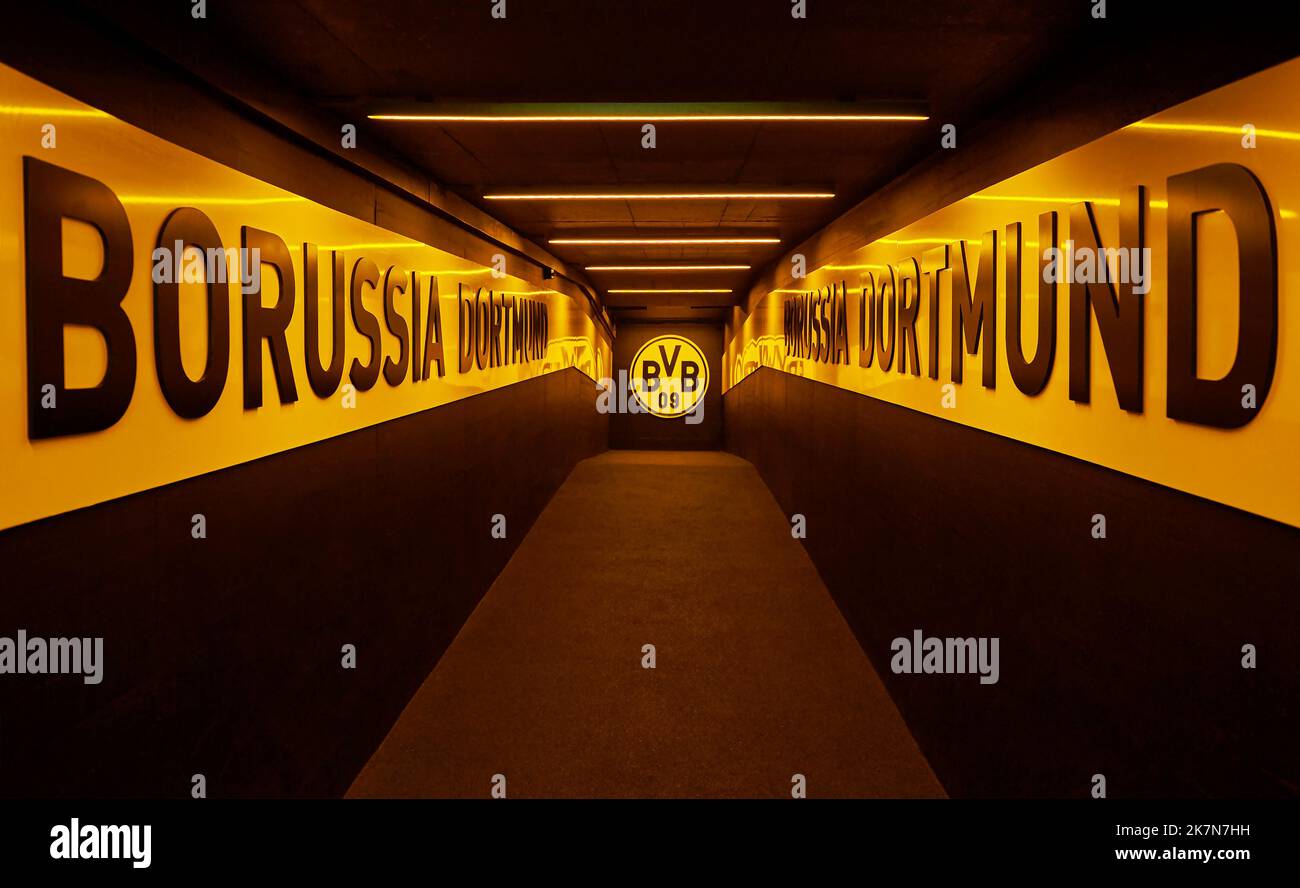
(150, 445)
(1252, 124)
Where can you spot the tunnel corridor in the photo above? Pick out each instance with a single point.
(412, 401)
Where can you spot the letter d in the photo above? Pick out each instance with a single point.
(1235, 191)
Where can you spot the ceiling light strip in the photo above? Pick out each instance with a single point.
(668, 267)
(815, 111)
(660, 241)
(680, 195)
(649, 118)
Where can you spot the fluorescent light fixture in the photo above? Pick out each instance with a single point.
(654, 112)
(646, 118)
(661, 241)
(649, 292)
(32, 111)
(668, 268)
(676, 195)
(183, 200)
(1212, 128)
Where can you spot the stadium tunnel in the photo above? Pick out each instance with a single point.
(647, 399)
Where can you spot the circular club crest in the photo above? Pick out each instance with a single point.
(670, 375)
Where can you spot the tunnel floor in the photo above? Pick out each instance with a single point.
(757, 677)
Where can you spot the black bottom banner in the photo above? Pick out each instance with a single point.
(217, 837)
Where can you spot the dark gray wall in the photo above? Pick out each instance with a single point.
(1119, 656)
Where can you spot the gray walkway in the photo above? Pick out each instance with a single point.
(758, 677)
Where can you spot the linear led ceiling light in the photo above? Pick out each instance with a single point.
(668, 268)
(1212, 128)
(661, 241)
(655, 112)
(674, 195)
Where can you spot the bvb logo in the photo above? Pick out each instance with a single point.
(670, 376)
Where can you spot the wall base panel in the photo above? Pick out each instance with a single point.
(1119, 656)
(223, 655)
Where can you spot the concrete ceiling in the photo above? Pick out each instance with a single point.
(951, 57)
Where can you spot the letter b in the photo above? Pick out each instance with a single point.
(690, 376)
(650, 374)
(51, 194)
